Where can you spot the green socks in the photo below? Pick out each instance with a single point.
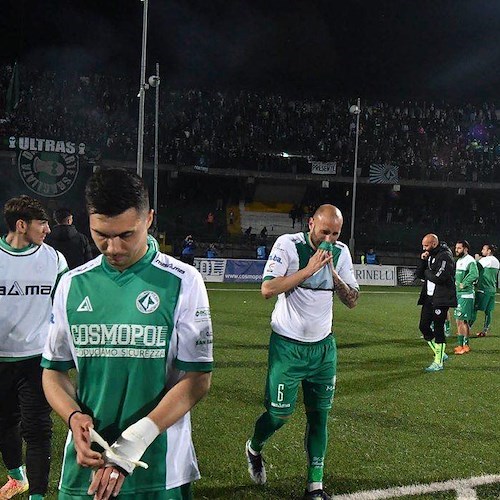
(460, 340)
(265, 427)
(447, 330)
(432, 345)
(316, 441)
(438, 350)
(36, 496)
(439, 353)
(17, 473)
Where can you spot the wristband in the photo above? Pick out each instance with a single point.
(71, 416)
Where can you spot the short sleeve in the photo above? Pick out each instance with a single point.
(278, 261)
(194, 327)
(57, 353)
(345, 269)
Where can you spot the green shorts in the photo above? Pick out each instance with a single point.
(292, 362)
(465, 308)
(485, 301)
(184, 492)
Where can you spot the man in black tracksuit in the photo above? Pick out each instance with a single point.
(437, 270)
(64, 237)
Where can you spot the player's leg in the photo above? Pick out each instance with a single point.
(36, 426)
(480, 304)
(319, 390)
(447, 325)
(280, 397)
(463, 313)
(489, 307)
(426, 324)
(10, 435)
(439, 315)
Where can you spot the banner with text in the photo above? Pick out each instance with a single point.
(323, 167)
(212, 270)
(244, 271)
(375, 275)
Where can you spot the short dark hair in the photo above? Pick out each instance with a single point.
(493, 248)
(61, 213)
(464, 243)
(25, 208)
(113, 191)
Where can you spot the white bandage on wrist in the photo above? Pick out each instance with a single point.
(131, 445)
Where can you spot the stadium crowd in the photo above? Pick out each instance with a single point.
(248, 130)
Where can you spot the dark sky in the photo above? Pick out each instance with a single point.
(447, 49)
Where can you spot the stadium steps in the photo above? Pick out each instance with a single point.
(277, 223)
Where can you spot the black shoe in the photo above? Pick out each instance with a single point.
(316, 495)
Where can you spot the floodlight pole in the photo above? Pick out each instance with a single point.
(355, 110)
(157, 119)
(142, 92)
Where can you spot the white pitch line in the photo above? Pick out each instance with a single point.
(463, 487)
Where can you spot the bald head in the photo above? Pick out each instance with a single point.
(325, 225)
(328, 211)
(429, 242)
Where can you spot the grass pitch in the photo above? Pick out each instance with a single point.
(392, 424)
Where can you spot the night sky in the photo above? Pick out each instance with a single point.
(400, 49)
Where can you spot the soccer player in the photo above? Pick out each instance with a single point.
(486, 287)
(466, 276)
(29, 272)
(303, 270)
(125, 321)
(436, 269)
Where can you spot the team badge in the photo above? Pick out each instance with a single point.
(147, 302)
(437, 312)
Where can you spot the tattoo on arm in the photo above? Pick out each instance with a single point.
(348, 296)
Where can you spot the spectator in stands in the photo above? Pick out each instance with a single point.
(211, 251)
(231, 217)
(188, 248)
(261, 252)
(210, 222)
(263, 234)
(71, 243)
(371, 257)
(248, 233)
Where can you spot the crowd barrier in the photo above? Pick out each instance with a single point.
(250, 271)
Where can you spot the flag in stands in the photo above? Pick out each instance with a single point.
(381, 173)
(13, 90)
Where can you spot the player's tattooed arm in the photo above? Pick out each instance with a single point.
(348, 296)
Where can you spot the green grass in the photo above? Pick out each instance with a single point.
(392, 424)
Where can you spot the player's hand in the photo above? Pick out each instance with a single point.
(318, 260)
(424, 255)
(85, 456)
(106, 482)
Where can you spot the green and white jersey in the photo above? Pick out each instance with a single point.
(27, 279)
(488, 274)
(306, 312)
(124, 332)
(466, 274)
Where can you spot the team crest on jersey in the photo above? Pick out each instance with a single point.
(85, 306)
(437, 312)
(147, 302)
